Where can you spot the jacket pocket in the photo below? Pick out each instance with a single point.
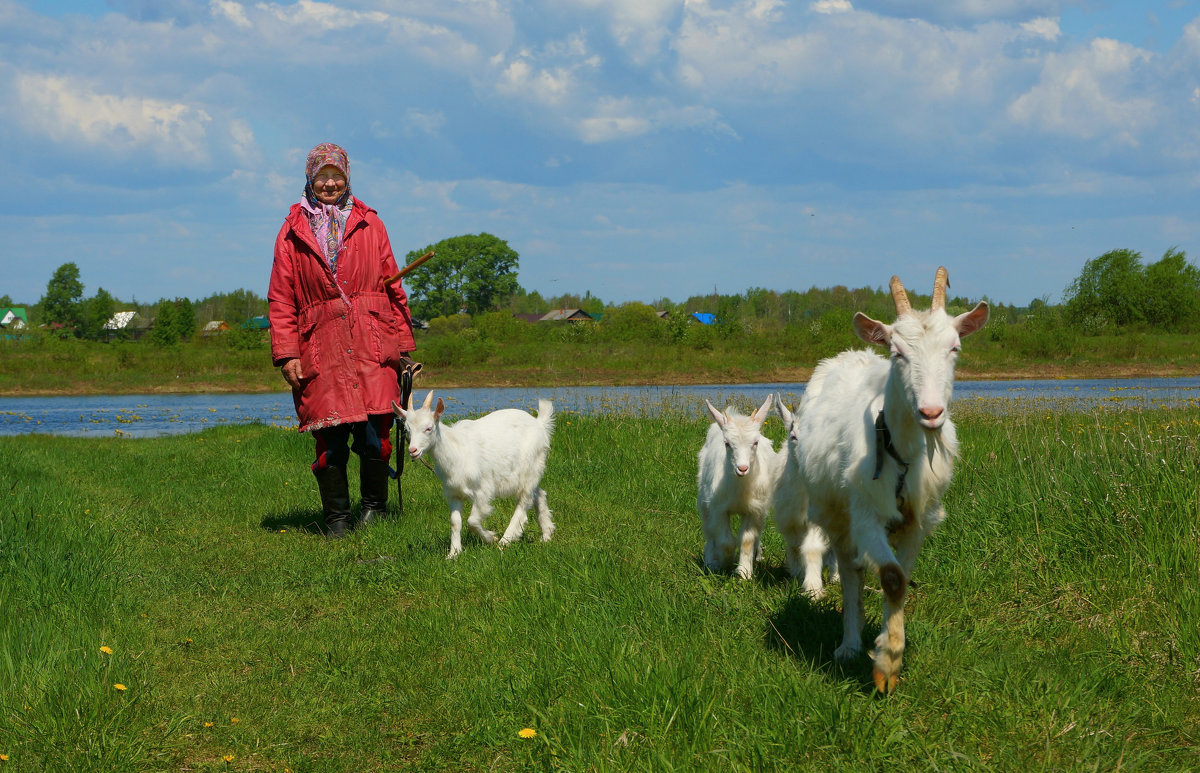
(385, 338)
(310, 352)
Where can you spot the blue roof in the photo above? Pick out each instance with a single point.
(704, 317)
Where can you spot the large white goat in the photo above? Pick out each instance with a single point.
(808, 549)
(502, 454)
(877, 451)
(736, 475)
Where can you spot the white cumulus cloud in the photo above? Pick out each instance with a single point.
(1090, 93)
(72, 113)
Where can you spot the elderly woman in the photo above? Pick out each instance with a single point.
(338, 333)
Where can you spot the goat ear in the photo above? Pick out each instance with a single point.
(439, 410)
(428, 400)
(718, 417)
(764, 410)
(872, 331)
(968, 323)
(398, 410)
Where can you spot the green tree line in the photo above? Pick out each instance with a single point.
(474, 278)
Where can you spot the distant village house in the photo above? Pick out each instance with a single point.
(13, 318)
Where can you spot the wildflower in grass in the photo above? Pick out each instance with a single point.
(234, 720)
(3, 758)
(208, 724)
(106, 650)
(528, 732)
(228, 758)
(120, 687)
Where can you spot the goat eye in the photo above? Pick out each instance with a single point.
(728, 444)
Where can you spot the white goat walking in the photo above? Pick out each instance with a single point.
(877, 451)
(808, 549)
(736, 475)
(502, 454)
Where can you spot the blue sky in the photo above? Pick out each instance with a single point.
(637, 149)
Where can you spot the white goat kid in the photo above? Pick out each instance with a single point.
(502, 454)
(735, 476)
(877, 454)
(808, 549)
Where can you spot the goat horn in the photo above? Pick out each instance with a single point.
(428, 399)
(900, 297)
(940, 283)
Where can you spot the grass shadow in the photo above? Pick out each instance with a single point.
(765, 575)
(306, 519)
(811, 631)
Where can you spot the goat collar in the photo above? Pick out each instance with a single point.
(883, 443)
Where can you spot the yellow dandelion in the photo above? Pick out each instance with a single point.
(208, 724)
(106, 650)
(3, 758)
(187, 641)
(120, 687)
(228, 758)
(528, 732)
(234, 720)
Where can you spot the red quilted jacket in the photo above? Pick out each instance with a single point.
(348, 339)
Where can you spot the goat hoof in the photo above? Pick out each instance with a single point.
(885, 683)
(816, 594)
(846, 652)
(503, 543)
(453, 554)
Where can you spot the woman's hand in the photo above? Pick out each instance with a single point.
(291, 372)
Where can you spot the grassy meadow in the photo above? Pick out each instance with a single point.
(1053, 626)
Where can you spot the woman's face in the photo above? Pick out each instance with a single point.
(329, 184)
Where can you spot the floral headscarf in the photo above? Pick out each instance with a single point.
(328, 221)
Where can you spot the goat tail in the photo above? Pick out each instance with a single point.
(545, 415)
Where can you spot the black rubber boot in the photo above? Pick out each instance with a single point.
(373, 485)
(335, 500)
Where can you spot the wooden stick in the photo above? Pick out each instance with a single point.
(391, 280)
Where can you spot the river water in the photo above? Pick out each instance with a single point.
(156, 415)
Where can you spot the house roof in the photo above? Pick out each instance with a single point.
(704, 318)
(257, 323)
(555, 315)
(214, 326)
(120, 321)
(13, 317)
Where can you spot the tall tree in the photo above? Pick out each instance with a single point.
(473, 272)
(96, 311)
(1110, 287)
(1172, 297)
(63, 298)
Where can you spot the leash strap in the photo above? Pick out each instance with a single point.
(883, 444)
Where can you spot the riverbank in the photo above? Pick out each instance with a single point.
(267, 381)
(50, 368)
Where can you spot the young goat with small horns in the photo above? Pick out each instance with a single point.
(876, 454)
(736, 475)
(502, 454)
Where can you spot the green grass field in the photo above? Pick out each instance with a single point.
(1054, 626)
